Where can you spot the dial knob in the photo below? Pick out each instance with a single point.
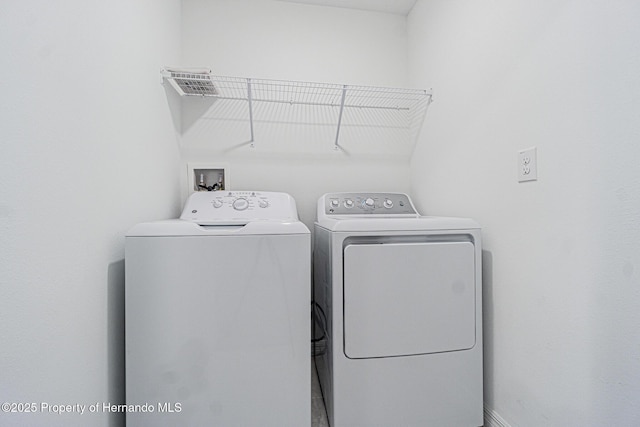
(240, 204)
(335, 203)
(369, 202)
(388, 203)
(348, 203)
(263, 203)
(217, 204)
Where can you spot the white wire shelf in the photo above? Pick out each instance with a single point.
(357, 110)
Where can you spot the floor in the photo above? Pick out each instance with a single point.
(318, 413)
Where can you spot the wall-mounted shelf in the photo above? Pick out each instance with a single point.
(390, 110)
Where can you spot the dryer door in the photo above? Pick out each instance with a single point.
(408, 298)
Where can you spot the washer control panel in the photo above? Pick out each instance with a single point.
(233, 207)
(368, 204)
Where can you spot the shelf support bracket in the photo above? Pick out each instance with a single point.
(250, 99)
(344, 94)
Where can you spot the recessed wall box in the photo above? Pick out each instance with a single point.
(207, 177)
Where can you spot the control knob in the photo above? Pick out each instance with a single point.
(388, 203)
(263, 203)
(348, 203)
(240, 204)
(217, 204)
(369, 203)
(334, 203)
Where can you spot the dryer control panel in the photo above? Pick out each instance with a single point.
(387, 204)
(238, 207)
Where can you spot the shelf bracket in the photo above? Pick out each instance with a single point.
(344, 94)
(250, 99)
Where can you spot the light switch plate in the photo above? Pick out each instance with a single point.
(527, 165)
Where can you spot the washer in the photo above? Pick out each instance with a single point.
(217, 314)
(398, 314)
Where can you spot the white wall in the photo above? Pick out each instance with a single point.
(562, 257)
(88, 150)
(281, 40)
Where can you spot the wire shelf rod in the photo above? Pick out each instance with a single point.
(250, 112)
(315, 104)
(344, 93)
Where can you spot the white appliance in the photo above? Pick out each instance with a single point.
(217, 314)
(398, 309)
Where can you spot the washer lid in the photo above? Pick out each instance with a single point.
(229, 213)
(179, 227)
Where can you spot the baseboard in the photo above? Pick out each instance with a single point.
(492, 419)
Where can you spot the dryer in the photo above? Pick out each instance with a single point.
(398, 313)
(217, 315)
